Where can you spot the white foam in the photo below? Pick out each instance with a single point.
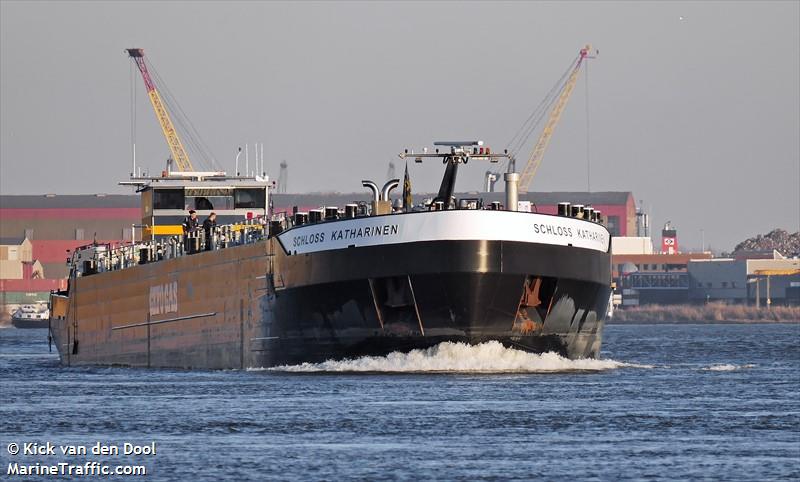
(489, 357)
(727, 367)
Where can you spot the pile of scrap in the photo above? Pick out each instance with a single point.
(780, 240)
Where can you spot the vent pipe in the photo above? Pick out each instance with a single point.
(512, 197)
(490, 178)
(387, 188)
(376, 193)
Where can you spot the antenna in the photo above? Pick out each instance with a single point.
(263, 171)
(390, 172)
(239, 153)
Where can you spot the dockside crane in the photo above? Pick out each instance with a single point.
(535, 159)
(179, 154)
(557, 98)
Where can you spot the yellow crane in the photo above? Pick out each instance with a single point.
(179, 155)
(527, 174)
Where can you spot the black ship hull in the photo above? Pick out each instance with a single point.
(26, 323)
(378, 299)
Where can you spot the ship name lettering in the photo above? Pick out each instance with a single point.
(308, 239)
(164, 298)
(551, 229)
(367, 231)
(591, 235)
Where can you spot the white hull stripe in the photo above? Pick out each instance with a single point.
(461, 225)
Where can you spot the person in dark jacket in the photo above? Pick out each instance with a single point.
(191, 223)
(208, 226)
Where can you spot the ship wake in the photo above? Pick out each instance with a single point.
(449, 357)
(727, 367)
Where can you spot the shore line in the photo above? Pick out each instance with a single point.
(707, 313)
(614, 321)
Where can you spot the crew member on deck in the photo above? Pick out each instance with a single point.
(208, 226)
(190, 223)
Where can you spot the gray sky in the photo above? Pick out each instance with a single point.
(697, 117)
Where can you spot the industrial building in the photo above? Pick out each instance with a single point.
(748, 281)
(37, 231)
(22, 277)
(643, 276)
(654, 278)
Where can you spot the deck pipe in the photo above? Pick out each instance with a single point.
(512, 195)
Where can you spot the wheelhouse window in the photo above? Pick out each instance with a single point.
(249, 198)
(168, 199)
(208, 199)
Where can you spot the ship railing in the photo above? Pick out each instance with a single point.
(119, 257)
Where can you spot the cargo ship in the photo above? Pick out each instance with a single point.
(263, 288)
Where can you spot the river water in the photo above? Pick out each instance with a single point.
(664, 402)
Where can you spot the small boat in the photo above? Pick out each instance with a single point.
(31, 316)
